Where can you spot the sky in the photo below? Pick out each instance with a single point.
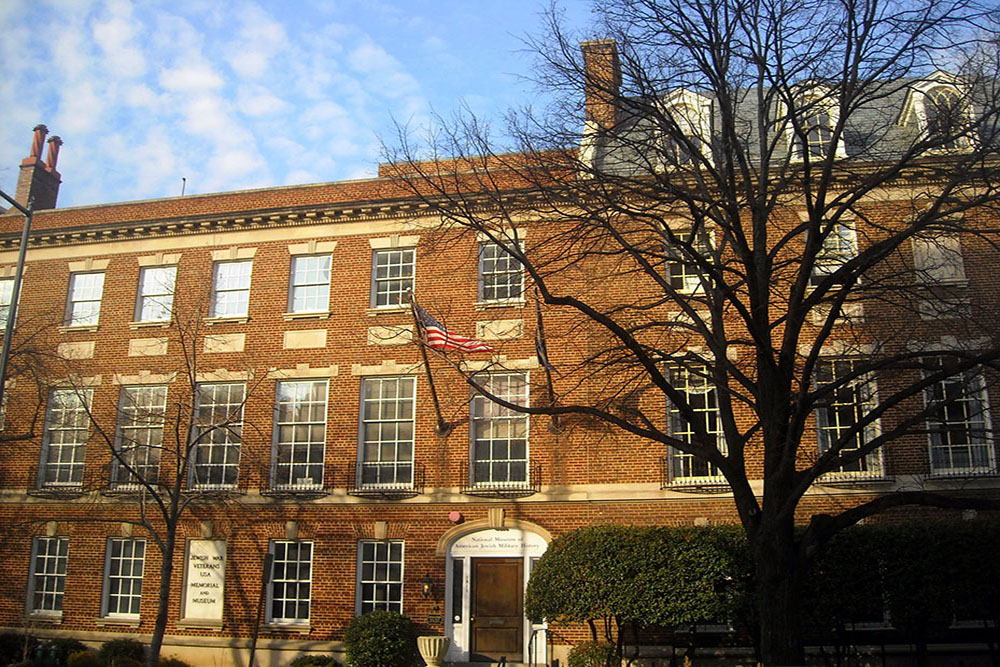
(232, 95)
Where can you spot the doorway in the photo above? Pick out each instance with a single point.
(496, 610)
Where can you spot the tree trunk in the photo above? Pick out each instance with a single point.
(778, 578)
(163, 602)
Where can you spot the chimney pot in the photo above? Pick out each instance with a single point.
(38, 141)
(53, 155)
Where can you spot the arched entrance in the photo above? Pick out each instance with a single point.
(487, 572)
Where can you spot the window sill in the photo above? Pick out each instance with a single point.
(199, 624)
(958, 283)
(314, 315)
(150, 324)
(126, 622)
(500, 303)
(943, 475)
(51, 618)
(298, 628)
(77, 327)
(372, 312)
(242, 319)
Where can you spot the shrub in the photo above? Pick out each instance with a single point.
(592, 654)
(122, 652)
(12, 647)
(313, 661)
(174, 662)
(62, 648)
(381, 639)
(84, 659)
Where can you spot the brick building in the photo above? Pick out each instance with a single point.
(273, 325)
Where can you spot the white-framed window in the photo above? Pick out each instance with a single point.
(387, 420)
(393, 272)
(700, 395)
(84, 304)
(64, 445)
(686, 126)
(300, 434)
(959, 431)
(47, 582)
(6, 299)
(231, 288)
(501, 276)
(380, 576)
(683, 270)
(937, 259)
(309, 288)
(818, 134)
(499, 434)
(944, 118)
(155, 299)
(839, 246)
(219, 433)
(842, 410)
(289, 594)
(124, 563)
(139, 438)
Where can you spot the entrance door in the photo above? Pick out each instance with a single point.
(497, 609)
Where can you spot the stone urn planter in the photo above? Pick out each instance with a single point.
(433, 649)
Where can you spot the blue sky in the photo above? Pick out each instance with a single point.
(233, 95)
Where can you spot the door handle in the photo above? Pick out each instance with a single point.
(472, 618)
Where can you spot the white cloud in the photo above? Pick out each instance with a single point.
(257, 41)
(191, 78)
(115, 36)
(258, 101)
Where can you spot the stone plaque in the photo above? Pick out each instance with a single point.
(205, 580)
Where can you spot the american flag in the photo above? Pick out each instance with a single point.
(440, 338)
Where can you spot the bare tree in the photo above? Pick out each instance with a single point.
(173, 440)
(754, 249)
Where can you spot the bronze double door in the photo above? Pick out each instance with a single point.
(497, 609)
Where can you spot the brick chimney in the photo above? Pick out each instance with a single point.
(603, 79)
(39, 180)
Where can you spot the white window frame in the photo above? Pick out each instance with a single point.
(216, 455)
(683, 270)
(399, 266)
(155, 295)
(937, 259)
(116, 578)
(692, 114)
(64, 447)
(47, 579)
(682, 465)
(83, 300)
(231, 293)
(139, 436)
(817, 112)
(490, 422)
(308, 290)
(291, 576)
(918, 99)
(300, 415)
(380, 576)
(859, 397)
(967, 417)
(839, 246)
(509, 278)
(6, 300)
(394, 419)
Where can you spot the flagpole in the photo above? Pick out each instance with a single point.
(443, 427)
(554, 426)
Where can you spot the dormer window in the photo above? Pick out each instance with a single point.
(940, 110)
(819, 134)
(811, 137)
(686, 128)
(943, 113)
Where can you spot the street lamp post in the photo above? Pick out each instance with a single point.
(15, 291)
